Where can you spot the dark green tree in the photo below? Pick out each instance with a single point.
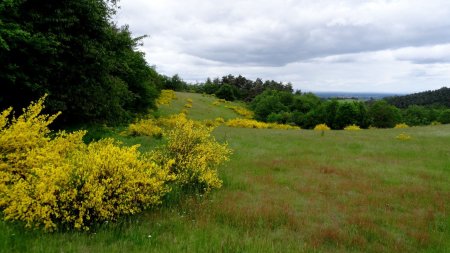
(384, 115)
(444, 117)
(72, 51)
(227, 92)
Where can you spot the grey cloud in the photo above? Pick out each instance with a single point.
(303, 41)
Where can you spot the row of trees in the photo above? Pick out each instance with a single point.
(72, 51)
(440, 97)
(307, 110)
(228, 87)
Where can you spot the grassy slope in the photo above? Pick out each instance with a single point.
(290, 191)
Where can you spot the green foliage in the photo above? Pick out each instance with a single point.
(174, 83)
(384, 115)
(72, 51)
(270, 101)
(444, 117)
(244, 89)
(227, 92)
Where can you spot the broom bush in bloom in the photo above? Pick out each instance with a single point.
(322, 128)
(401, 125)
(250, 123)
(219, 120)
(194, 152)
(63, 182)
(241, 111)
(352, 128)
(166, 97)
(146, 127)
(403, 137)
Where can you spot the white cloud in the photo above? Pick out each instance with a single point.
(373, 45)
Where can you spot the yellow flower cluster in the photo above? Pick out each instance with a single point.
(146, 127)
(403, 137)
(172, 120)
(250, 123)
(213, 123)
(352, 128)
(64, 182)
(241, 111)
(195, 153)
(166, 97)
(219, 120)
(321, 127)
(401, 125)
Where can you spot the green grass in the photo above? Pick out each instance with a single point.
(288, 191)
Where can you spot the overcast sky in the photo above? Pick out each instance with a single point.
(317, 45)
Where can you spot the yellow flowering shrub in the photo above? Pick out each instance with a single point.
(321, 127)
(195, 154)
(352, 128)
(219, 120)
(146, 127)
(189, 100)
(210, 123)
(250, 123)
(172, 120)
(241, 111)
(188, 105)
(166, 97)
(62, 181)
(401, 125)
(403, 137)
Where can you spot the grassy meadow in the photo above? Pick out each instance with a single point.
(286, 191)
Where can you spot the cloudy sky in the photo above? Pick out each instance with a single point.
(396, 46)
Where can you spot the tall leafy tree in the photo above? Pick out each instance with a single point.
(71, 50)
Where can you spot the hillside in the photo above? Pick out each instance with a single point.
(287, 191)
(440, 97)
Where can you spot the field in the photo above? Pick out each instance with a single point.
(287, 191)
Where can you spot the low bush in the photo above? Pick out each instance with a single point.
(63, 182)
(401, 125)
(166, 97)
(352, 128)
(194, 152)
(250, 123)
(145, 127)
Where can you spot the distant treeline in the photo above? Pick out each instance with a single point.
(228, 87)
(440, 97)
(274, 101)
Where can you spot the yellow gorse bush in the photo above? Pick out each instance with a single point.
(146, 127)
(352, 128)
(219, 120)
(194, 152)
(403, 137)
(250, 123)
(321, 127)
(401, 125)
(166, 97)
(241, 111)
(64, 182)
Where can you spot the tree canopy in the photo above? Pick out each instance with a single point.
(71, 50)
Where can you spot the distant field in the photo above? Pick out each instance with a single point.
(288, 191)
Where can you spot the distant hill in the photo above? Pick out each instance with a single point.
(440, 97)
